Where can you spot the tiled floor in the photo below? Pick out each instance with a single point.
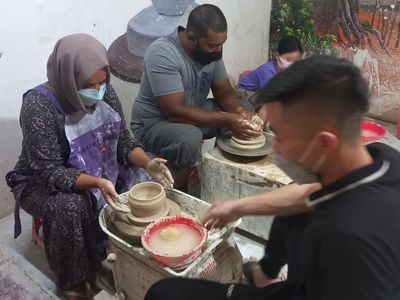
(24, 273)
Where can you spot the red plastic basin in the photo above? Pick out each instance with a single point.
(371, 131)
(184, 259)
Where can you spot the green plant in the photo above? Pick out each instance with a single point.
(294, 17)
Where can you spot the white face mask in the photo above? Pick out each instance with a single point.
(283, 63)
(296, 171)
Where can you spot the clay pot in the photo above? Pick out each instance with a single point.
(146, 199)
(171, 7)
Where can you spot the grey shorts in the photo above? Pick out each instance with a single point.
(179, 143)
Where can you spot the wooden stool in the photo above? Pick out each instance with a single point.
(36, 238)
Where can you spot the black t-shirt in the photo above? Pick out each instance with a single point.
(351, 246)
(284, 246)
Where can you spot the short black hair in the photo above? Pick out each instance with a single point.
(333, 87)
(289, 43)
(206, 17)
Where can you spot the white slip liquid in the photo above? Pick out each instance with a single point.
(188, 239)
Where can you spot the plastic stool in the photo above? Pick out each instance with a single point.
(36, 238)
(245, 73)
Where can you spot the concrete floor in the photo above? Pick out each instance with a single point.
(25, 275)
(23, 268)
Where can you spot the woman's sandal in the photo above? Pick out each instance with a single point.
(71, 293)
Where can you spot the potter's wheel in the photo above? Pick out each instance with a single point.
(132, 227)
(224, 142)
(147, 220)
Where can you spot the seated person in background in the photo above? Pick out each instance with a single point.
(289, 50)
(172, 115)
(75, 146)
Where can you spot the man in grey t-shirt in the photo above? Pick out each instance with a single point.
(171, 114)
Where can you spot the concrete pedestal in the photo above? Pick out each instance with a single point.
(225, 177)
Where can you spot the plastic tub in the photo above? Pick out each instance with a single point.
(371, 131)
(169, 259)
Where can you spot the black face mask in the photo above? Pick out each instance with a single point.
(205, 57)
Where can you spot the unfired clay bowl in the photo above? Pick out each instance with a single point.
(146, 199)
(255, 143)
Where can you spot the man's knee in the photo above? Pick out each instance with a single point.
(185, 149)
(192, 139)
(163, 289)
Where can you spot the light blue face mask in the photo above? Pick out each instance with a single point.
(91, 96)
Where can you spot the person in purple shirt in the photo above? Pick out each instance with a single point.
(289, 50)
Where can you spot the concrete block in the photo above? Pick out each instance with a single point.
(225, 177)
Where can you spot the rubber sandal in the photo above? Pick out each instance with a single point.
(71, 293)
(248, 271)
(77, 294)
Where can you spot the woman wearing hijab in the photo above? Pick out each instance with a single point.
(75, 148)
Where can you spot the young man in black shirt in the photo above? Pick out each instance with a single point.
(349, 246)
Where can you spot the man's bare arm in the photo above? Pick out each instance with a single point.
(283, 201)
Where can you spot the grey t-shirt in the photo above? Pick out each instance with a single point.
(168, 69)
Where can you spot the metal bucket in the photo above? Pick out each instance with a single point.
(134, 271)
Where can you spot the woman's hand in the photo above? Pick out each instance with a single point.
(107, 189)
(110, 195)
(157, 168)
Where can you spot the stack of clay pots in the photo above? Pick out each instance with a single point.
(126, 53)
(155, 21)
(148, 203)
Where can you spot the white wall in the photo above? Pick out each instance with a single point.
(248, 32)
(29, 30)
